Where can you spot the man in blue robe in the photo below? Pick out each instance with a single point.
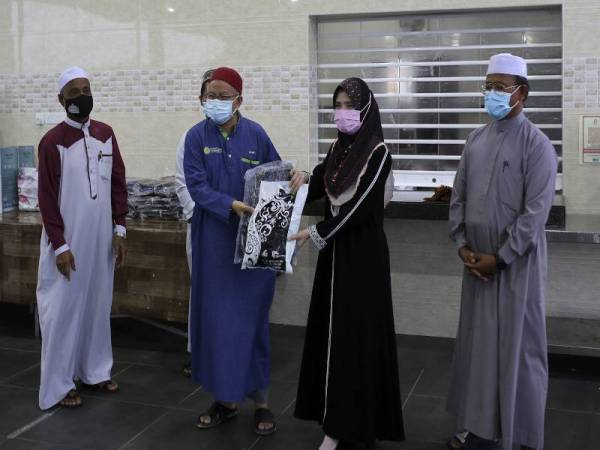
(230, 307)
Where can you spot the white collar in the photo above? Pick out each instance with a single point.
(75, 124)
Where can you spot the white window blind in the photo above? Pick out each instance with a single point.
(426, 71)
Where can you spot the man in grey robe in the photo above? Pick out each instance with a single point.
(502, 196)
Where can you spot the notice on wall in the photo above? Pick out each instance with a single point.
(589, 139)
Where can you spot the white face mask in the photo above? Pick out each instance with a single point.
(221, 111)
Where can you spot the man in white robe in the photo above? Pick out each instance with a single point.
(185, 199)
(83, 203)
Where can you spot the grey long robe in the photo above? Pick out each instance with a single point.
(502, 196)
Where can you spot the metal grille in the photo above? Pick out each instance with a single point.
(426, 72)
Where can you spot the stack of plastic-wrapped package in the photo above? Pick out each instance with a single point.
(27, 186)
(153, 199)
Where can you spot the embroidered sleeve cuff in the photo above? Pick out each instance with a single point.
(120, 231)
(319, 242)
(60, 250)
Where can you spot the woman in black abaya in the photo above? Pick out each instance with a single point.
(349, 377)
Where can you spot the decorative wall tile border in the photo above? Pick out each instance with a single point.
(266, 88)
(581, 83)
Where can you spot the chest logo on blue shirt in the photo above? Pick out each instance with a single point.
(212, 150)
(251, 158)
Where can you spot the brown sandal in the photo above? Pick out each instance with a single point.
(71, 400)
(108, 386)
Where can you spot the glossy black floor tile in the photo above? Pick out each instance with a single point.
(426, 419)
(567, 430)
(155, 386)
(15, 362)
(17, 407)
(177, 430)
(157, 407)
(99, 424)
(25, 444)
(574, 393)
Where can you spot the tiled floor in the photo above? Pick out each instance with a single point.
(157, 407)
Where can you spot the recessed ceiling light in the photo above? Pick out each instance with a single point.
(171, 9)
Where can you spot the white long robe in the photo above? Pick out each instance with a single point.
(75, 315)
(185, 199)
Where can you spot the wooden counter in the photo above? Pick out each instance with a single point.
(154, 282)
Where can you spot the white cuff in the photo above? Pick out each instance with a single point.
(319, 242)
(120, 231)
(61, 249)
(460, 241)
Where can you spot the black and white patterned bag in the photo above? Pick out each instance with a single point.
(276, 216)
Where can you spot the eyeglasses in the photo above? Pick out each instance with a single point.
(498, 87)
(212, 96)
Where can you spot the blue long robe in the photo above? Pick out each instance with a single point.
(229, 306)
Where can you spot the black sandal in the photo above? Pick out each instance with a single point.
(218, 413)
(187, 369)
(454, 444)
(265, 416)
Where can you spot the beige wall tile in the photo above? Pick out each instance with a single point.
(148, 165)
(580, 39)
(169, 12)
(29, 16)
(293, 38)
(86, 15)
(20, 129)
(168, 46)
(245, 43)
(32, 54)
(164, 130)
(241, 43)
(231, 10)
(9, 11)
(126, 128)
(95, 50)
(9, 56)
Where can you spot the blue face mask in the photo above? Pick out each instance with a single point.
(218, 110)
(497, 103)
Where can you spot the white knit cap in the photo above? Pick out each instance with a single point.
(507, 64)
(70, 74)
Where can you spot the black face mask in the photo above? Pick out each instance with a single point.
(80, 106)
